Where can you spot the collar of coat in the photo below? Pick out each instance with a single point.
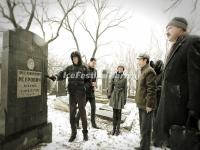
(175, 48)
(119, 76)
(143, 68)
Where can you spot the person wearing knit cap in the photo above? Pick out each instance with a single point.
(179, 102)
(179, 22)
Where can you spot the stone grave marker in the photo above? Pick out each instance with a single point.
(23, 101)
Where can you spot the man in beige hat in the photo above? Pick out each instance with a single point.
(145, 100)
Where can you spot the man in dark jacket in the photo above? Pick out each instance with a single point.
(181, 82)
(77, 77)
(90, 92)
(145, 100)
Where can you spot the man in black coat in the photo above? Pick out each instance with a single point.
(91, 85)
(77, 78)
(180, 95)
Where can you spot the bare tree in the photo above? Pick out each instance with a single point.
(44, 20)
(176, 3)
(131, 67)
(7, 9)
(70, 25)
(39, 13)
(107, 19)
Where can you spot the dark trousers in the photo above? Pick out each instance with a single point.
(77, 97)
(145, 128)
(117, 114)
(91, 99)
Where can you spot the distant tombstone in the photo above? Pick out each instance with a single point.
(48, 86)
(23, 101)
(105, 81)
(61, 88)
(108, 108)
(108, 115)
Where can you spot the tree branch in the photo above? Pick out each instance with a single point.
(33, 4)
(10, 16)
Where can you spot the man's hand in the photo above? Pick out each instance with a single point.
(109, 96)
(94, 84)
(193, 114)
(53, 78)
(148, 109)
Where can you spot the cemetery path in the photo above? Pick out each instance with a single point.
(98, 138)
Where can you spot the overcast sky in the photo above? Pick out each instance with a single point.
(148, 17)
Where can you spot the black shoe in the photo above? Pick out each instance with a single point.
(72, 138)
(113, 132)
(117, 132)
(85, 135)
(157, 144)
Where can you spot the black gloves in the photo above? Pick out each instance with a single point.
(192, 120)
(109, 96)
(53, 78)
(193, 114)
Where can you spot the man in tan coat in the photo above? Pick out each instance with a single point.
(146, 100)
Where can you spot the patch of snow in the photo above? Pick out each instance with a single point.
(98, 138)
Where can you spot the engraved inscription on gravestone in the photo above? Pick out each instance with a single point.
(28, 83)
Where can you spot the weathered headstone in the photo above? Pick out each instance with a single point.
(105, 81)
(108, 108)
(108, 115)
(61, 88)
(23, 109)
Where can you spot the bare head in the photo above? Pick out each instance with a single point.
(92, 63)
(120, 69)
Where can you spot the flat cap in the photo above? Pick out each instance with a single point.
(143, 56)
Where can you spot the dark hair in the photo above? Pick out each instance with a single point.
(93, 59)
(152, 64)
(120, 66)
(146, 59)
(159, 66)
(76, 54)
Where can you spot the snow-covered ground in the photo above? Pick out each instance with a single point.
(99, 139)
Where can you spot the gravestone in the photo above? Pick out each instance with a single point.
(105, 81)
(108, 115)
(61, 88)
(23, 101)
(108, 108)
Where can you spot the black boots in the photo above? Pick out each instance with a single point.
(116, 121)
(114, 130)
(73, 136)
(119, 115)
(117, 132)
(85, 135)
